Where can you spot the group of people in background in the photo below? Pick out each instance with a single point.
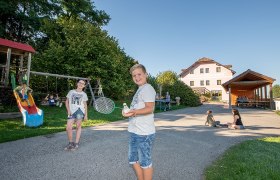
(52, 100)
(235, 124)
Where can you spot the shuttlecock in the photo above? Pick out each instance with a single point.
(125, 108)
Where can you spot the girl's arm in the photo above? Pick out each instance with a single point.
(67, 107)
(86, 111)
(235, 119)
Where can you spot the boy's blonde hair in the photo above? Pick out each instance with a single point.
(136, 66)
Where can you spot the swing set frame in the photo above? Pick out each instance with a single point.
(69, 77)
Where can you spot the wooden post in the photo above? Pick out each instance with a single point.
(261, 93)
(21, 63)
(28, 68)
(8, 67)
(229, 99)
(265, 92)
(270, 95)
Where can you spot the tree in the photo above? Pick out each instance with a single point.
(170, 83)
(276, 91)
(166, 78)
(87, 51)
(21, 20)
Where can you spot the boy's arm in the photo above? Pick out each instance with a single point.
(46, 98)
(17, 88)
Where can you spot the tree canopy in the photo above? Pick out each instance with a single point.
(171, 83)
(276, 91)
(69, 39)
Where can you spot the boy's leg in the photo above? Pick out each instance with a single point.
(148, 173)
(133, 156)
(145, 156)
(138, 171)
(143, 174)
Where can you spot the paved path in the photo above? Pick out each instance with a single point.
(183, 147)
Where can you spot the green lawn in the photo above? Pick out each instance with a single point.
(250, 160)
(55, 121)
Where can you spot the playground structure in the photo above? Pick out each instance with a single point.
(15, 63)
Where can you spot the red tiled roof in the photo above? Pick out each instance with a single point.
(16, 45)
(205, 60)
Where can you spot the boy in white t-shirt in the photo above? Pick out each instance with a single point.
(76, 105)
(141, 124)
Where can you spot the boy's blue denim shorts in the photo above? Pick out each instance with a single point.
(78, 115)
(140, 149)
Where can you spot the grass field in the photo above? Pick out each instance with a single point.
(55, 121)
(250, 160)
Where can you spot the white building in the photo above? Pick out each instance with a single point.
(207, 75)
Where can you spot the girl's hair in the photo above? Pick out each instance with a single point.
(236, 112)
(209, 111)
(136, 66)
(82, 80)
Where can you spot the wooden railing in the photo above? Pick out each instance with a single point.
(254, 104)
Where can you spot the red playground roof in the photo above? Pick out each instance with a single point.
(16, 45)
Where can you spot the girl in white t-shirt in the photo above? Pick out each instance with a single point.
(76, 105)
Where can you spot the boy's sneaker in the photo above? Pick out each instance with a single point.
(69, 147)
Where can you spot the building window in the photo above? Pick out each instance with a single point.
(219, 82)
(191, 72)
(206, 70)
(201, 70)
(218, 69)
(201, 83)
(191, 83)
(207, 83)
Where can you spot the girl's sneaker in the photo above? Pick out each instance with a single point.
(69, 147)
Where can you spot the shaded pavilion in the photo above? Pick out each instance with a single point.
(256, 87)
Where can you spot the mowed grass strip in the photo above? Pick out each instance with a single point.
(250, 160)
(55, 119)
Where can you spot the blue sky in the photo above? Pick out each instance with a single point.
(172, 35)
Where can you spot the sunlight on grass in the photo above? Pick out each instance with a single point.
(55, 121)
(254, 159)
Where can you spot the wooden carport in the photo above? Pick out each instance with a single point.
(252, 85)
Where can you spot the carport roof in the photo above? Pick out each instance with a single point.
(248, 80)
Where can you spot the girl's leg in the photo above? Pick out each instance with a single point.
(69, 129)
(78, 130)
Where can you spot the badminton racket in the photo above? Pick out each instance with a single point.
(104, 105)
